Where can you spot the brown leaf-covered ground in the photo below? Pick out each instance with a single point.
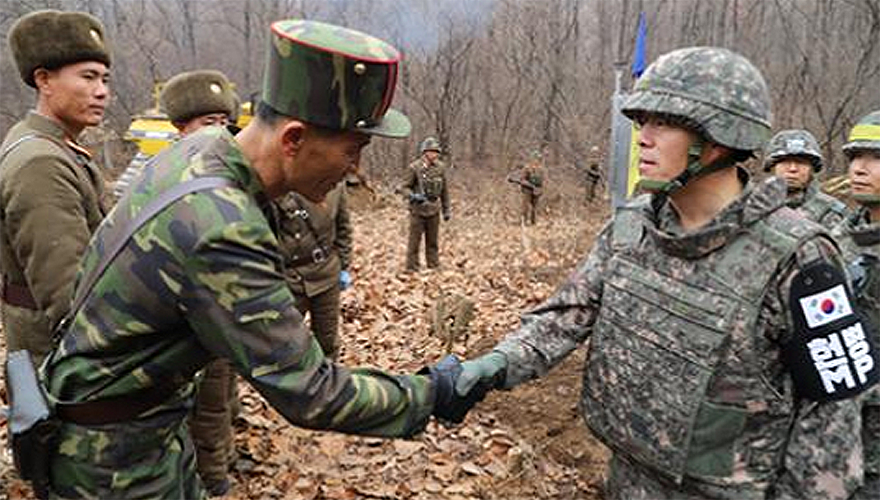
(529, 443)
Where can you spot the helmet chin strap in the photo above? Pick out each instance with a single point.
(695, 168)
(868, 200)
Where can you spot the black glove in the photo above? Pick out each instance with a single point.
(448, 405)
(417, 198)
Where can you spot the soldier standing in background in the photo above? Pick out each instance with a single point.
(531, 182)
(49, 186)
(714, 312)
(427, 192)
(202, 278)
(316, 242)
(859, 239)
(194, 100)
(594, 172)
(794, 156)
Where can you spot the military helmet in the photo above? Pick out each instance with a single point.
(334, 77)
(52, 39)
(865, 135)
(429, 144)
(196, 93)
(788, 143)
(717, 91)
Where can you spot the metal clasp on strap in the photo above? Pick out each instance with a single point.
(319, 255)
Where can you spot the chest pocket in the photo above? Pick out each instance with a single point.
(433, 183)
(656, 345)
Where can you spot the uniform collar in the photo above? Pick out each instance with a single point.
(862, 231)
(47, 126)
(756, 202)
(224, 150)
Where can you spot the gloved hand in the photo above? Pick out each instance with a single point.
(450, 406)
(417, 198)
(488, 371)
(344, 280)
(447, 215)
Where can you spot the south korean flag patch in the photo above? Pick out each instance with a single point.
(831, 353)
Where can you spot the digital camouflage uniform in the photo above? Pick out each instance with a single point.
(204, 279)
(316, 241)
(811, 201)
(684, 379)
(50, 189)
(531, 187)
(859, 240)
(427, 179)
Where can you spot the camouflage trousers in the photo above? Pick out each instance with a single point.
(871, 441)
(628, 480)
(211, 420)
(149, 458)
(430, 228)
(323, 310)
(529, 207)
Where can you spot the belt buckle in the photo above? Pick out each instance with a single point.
(319, 255)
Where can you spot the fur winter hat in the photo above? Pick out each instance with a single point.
(52, 39)
(197, 93)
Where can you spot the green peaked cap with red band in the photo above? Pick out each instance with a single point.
(334, 77)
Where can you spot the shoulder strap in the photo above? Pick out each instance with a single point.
(144, 214)
(21, 140)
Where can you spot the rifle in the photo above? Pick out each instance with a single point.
(514, 180)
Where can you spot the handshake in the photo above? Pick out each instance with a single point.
(458, 386)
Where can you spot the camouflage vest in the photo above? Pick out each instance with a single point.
(430, 179)
(820, 207)
(679, 332)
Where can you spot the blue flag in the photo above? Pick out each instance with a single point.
(639, 63)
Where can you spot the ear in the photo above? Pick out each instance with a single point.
(180, 126)
(41, 79)
(291, 135)
(713, 152)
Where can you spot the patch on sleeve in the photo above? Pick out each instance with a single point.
(830, 354)
(826, 306)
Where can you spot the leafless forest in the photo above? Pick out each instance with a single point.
(494, 77)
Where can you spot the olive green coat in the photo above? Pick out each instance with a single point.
(50, 194)
(328, 227)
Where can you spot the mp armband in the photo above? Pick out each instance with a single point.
(831, 354)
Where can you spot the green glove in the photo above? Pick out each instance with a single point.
(487, 371)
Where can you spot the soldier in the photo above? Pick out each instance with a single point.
(794, 156)
(201, 278)
(594, 172)
(194, 100)
(426, 190)
(315, 241)
(531, 183)
(717, 316)
(859, 239)
(50, 188)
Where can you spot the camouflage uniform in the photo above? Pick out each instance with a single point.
(859, 240)
(316, 245)
(203, 279)
(187, 97)
(684, 378)
(531, 187)
(50, 188)
(427, 180)
(811, 201)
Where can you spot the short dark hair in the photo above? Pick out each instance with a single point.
(270, 116)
